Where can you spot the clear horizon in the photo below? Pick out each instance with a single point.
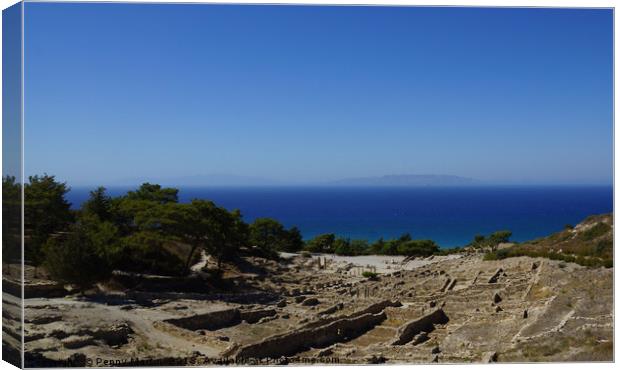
(313, 94)
(269, 183)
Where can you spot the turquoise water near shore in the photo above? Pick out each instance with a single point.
(451, 216)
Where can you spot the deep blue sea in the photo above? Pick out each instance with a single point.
(451, 216)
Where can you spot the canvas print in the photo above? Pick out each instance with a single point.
(226, 184)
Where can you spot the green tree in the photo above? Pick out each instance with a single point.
(227, 234)
(11, 220)
(390, 247)
(347, 247)
(147, 252)
(99, 204)
(418, 248)
(269, 236)
(154, 193)
(342, 247)
(502, 236)
(491, 241)
(359, 247)
(377, 246)
(75, 259)
(199, 224)
(404, 238)
(140, 203)
(479, 239)
(321, 244)
(46, 211)
(104, 236)
(295, 240)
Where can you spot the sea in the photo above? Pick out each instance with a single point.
(450, 216)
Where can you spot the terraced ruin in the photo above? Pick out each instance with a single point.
(458, 308)
(454, 309)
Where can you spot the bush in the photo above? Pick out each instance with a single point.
(500, 237)
(269, 235)
(503, 253)
(595, 231)
(46, 211)
(146, 252)
(480, 241)
(321, 244)
(370, 275)
(587, 261)
(346, 247)
(491, 256)
(447, 251)
(604, 248)
(418, 248)
(377, 246)
(75, 260)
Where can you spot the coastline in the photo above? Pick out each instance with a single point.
(450, 216)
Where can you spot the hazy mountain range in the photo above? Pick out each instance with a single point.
(407, 180)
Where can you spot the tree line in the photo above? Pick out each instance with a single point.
(148, 230)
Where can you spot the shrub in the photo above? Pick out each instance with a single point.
(75, 260)
(390, 248)
(447, 251)
(370, 275)
(377, 246)
(480, 241)
(595, 231)
(146, 252)
(503, 253)
(269, 235)
(418, 248)
(321, 244)
(502, 236)
(604, 247)
(588, 261)
(490, 256)
(346, 247)
(46, 211)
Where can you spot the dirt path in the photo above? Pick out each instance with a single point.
(200, 264)
(141, 324)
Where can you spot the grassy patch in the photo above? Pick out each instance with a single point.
(520, 251)
(599, 229)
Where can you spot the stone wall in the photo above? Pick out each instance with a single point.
(300, 340)
(373, 309)
(220, 319)
(210, 321)
(425, 323)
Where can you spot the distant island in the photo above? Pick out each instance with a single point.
(407, 180)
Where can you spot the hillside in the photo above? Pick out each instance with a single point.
(460, 308)
(589, 243)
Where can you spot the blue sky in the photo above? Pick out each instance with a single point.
(11, 91)
(304, 94)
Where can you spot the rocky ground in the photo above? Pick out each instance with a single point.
(446, 309)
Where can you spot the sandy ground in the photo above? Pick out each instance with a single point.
(381, 264)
